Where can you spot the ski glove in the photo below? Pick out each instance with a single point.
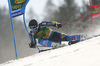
(32, 45)
(58, 25)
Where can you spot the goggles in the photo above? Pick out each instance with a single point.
(34, 29)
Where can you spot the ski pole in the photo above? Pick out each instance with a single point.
(38, 48)
(27, 29)
(76, 20)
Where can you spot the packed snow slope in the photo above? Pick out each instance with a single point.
(85, 53)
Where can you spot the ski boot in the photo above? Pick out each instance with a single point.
(77, 38)
(73, 39)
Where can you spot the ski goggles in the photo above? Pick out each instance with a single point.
(34, 29)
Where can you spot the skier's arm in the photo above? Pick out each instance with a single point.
(52, 23)
(33, 41)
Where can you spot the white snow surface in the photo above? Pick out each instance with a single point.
(85, 53)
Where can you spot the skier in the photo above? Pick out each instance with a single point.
(40, 31)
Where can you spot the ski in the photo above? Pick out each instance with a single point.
(53, 47)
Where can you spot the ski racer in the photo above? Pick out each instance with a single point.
(41, 31)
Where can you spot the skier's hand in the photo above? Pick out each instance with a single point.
(32, 45)
(58, 25)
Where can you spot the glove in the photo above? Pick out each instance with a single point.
(32, 45)
(58, 25)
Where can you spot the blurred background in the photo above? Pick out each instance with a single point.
(62, 11)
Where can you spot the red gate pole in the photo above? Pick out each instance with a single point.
(92, 15)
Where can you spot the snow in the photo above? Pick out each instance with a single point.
(85, 53)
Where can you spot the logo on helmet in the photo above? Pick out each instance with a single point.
(19, 1)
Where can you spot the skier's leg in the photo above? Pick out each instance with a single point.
(64, 37)
(73, 39)
(56, 37)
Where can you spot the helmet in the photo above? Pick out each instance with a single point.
(33, 24)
